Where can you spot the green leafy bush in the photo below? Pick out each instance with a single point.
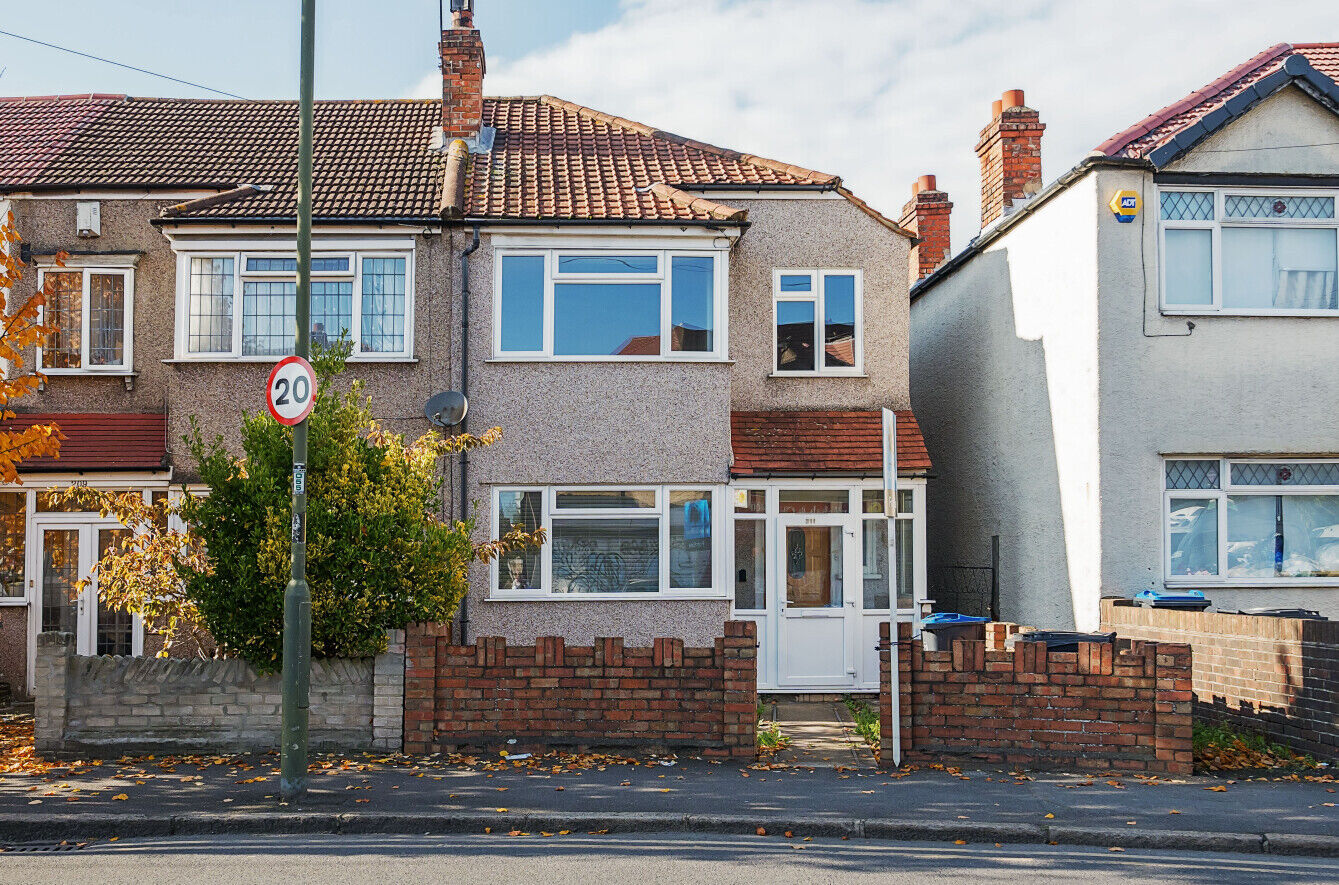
(378, 554)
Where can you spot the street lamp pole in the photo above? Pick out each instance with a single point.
(297, 597)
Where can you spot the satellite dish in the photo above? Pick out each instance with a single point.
(446, 409)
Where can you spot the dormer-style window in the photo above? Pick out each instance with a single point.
(1249, 251)
(632, 304)
(88, 311)
(243, 305)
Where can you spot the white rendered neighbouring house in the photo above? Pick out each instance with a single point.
(1147, 402)
(688, 349)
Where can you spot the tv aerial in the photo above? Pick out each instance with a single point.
(446, 409)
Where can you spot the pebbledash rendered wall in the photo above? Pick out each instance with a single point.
(1274, 676)
(105, 706)
(1102, 708)
(550, 694)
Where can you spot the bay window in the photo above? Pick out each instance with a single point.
(817, 322)
(1252, 521)
(88, 312)
(634, 304)
(608, 541)
(244, 304)
(1249, 252)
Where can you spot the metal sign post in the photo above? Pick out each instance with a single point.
(890, 513)
(297, 597)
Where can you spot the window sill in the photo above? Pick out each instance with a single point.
(496, 596)
(208, 360)
(662, 360)
(1202, 312)
(89, 373)
(817, 375)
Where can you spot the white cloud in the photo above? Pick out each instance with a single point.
(880, 92)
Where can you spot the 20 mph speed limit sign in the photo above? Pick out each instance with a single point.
(291, 391)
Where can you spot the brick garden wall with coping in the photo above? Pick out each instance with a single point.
(1275, 676)
(1101, 708)
(105, 706)
(554, 695)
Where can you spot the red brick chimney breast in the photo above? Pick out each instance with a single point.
(926, 215)
(1010, 152)
(462, 51)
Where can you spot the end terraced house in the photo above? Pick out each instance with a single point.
(687, 348)
(1126, 376)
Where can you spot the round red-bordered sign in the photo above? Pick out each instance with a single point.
(290, 393)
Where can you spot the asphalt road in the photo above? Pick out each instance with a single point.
(632, 860)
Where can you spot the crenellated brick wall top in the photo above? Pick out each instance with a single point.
(605, 694)
(1100, 708)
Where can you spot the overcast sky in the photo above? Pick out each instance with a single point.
(877, 91)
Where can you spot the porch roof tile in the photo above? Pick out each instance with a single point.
(801, 442)
(98, 441)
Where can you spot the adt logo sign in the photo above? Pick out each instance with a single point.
(1125, 206)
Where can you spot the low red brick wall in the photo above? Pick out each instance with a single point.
(1101, 708)
(552, 694)
(1276, 676)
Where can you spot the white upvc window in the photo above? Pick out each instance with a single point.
(818, 322)
(610, 542)
(89, 311)
(609, 304)
(1251, 522)
(1249, 251)
(243, 305)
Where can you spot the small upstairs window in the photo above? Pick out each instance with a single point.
(1249, 252)
(88, 310)
(608, 305)
(817, 322)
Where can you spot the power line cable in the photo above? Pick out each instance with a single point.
(121, 65)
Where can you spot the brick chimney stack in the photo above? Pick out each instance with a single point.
(1010, 153)
(926, 215)
(462, 51)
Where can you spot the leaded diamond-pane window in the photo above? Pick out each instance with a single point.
(1278, 207)
(1197, 474)
(1257, 473)
(1186, 206)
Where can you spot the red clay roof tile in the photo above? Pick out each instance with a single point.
(809, 441)
(99, 441)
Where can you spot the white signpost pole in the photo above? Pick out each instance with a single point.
(890, 513)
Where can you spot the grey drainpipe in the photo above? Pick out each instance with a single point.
(465, 389)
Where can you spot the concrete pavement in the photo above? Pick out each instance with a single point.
(684, 859)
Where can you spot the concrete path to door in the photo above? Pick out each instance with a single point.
(822, 735)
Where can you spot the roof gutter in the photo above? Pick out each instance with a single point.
(1007, 223)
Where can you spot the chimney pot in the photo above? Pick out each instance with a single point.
(926, 215)
(1013, 99)
(996, 108)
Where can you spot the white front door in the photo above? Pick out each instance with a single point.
(66, 552)
(819, 578)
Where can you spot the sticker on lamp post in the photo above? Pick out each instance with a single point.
(291, 391)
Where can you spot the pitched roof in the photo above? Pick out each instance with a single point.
(98, 441)
(550, 159)
(803, 442)
(1163, 135)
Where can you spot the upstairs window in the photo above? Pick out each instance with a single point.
(563, 304)
(88, 310)
(361, 296)
(1249, 252)
(817, 322)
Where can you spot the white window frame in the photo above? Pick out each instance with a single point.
(356, 253)
(1220, 495)
(665, 256)
(660, 511)
(1215, 227)
(816, 295)
(127, 272)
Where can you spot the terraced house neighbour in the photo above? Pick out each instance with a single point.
(1125, 375)
(687, 348)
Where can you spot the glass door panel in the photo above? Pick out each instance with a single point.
(814, 566)
(60, 580)
(115, 627)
